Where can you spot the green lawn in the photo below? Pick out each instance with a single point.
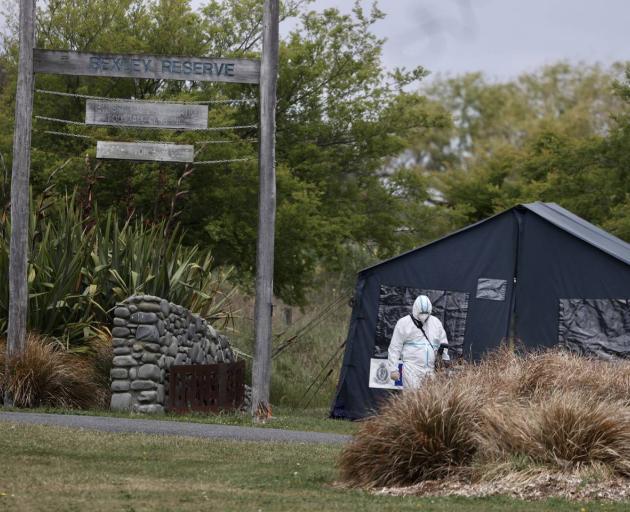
(55, 469)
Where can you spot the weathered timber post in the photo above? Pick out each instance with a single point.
(261, 370)
(18, 257)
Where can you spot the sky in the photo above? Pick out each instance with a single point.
(502, 38)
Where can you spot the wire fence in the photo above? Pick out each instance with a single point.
(225, 161)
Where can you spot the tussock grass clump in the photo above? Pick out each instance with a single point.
(46, 375)
(553, 371)
(419, 435)
(565, 430)
(551, 410)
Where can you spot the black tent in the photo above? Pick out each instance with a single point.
(536, 272)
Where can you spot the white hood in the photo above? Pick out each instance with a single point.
(422, 308)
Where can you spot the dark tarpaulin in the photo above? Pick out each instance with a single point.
(599, 327)
(455, 263)
(395, 302)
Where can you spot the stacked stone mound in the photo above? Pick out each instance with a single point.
(150, 335)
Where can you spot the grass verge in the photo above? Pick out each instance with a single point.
(56, 469)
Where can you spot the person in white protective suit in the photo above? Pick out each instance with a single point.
(416, 340)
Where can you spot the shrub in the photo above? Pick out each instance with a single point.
(547, 372)
(46, 375)
(549, 409)
(577, 429)
(419, 435)
(562, 430)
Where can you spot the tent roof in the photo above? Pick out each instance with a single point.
(559, 217)
(582, 229)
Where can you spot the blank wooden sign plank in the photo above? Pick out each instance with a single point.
(146, 66)
(145, 151)
(146, 114)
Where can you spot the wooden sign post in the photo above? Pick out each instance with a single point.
(20, 175)
(261, 369)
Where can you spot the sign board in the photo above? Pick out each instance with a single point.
(145, 151)
(146, 66)
(146, 114)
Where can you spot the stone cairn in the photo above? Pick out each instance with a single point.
(150, 335)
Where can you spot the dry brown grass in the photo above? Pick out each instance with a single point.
(419, 435)
(553, 410)
(100, 357)
(564, 430)
(46, 375)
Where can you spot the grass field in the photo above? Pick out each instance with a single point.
(54, 469)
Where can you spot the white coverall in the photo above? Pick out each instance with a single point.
(418, 352)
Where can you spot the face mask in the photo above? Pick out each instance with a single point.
(423, 317)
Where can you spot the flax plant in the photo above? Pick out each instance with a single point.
(81, 265)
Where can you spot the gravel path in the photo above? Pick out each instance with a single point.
(172, 428)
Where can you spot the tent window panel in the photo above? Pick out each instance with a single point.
(491, 289)
(396, 301)
(598, 327)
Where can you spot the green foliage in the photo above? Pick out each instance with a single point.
(81, 265)
(307, 353)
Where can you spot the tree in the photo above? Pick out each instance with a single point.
(572, 149)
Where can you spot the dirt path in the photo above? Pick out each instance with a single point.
(173, 428)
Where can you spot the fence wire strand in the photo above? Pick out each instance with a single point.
(210, 129)
(225, 141)
(209, 162)
(66, 134)
(114, 100)
(197, 142)
(57, 120)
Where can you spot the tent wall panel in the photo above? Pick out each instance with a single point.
(554, 265)
(395, 302)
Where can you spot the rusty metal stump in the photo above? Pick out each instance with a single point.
(206, 387)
